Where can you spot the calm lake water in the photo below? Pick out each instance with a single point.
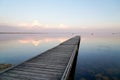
(98, 58)
(16, 48)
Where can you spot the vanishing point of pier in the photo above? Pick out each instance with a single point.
(57, 63)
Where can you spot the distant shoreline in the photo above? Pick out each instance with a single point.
(113, 33)
(22, 33)
(36, 33)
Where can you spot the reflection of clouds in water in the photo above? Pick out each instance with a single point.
(14, 37)
(34, 42)
(15, 48)
(38, 42)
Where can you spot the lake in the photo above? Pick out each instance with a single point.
(16, 48)
(98, 57)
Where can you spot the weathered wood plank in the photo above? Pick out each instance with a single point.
(8, 78)
(54, 64)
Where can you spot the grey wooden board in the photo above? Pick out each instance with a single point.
(49, 65)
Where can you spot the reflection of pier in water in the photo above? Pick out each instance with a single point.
(55, 64)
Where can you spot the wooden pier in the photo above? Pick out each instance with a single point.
(54, 64)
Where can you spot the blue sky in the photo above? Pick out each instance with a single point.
(70, 13)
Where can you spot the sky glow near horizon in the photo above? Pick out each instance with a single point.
(61, 14)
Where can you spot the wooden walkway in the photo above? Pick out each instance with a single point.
(54, 64)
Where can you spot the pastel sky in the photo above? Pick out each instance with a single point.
(59, 14)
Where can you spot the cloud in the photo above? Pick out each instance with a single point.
(34, 26)
(37, 24)
(8, 28)
(34, 42)
(62, 26)
(38, 42)
(31, 24)
(58, 26)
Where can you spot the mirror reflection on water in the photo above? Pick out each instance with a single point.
(98, 57)
(16, 48)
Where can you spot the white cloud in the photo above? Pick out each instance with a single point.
(36, 23)
(33, 25)
(58, 26)
(62, 26)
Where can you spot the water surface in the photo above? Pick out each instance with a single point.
(16, 48)
(98, 58)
